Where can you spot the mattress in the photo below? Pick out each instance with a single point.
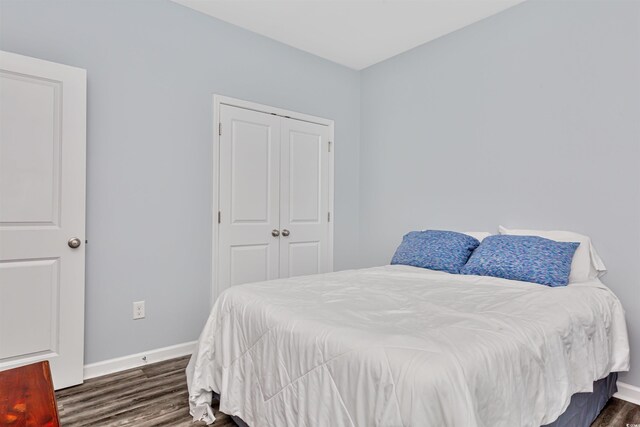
(398, 345)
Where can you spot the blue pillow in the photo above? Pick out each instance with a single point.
(525, 258)
(436, 250)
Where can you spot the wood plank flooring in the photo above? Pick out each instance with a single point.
(156, 395)
(152, 395)
(618, 413)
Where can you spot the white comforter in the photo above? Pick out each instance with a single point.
(403, 346)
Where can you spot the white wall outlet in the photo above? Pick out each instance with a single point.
(138, 310)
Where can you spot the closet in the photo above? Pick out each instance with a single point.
(274, 210)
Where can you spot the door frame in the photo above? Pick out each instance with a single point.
(218, 102)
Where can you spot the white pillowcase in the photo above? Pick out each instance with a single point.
(478, 235)
(586, 263)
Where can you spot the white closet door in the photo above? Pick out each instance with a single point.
(42, 215)
(249, 196)
(304, 198)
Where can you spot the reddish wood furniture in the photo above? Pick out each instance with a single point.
(26, 397)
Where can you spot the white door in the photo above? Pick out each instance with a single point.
(249, 199)
(273, 197)
(42, 207)
(304, 198)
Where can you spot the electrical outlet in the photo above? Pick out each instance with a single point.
(138, 310)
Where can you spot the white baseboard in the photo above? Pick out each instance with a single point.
(118, 364)
(628, 392)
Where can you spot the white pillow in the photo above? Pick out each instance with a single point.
(478, 235)
(586, 263)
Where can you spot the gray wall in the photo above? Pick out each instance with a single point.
(152, 69)
(530, 119)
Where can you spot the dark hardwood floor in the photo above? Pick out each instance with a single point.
(152, 395)
(156, 395)
(618, 413)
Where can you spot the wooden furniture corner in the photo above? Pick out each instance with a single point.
(27, 398)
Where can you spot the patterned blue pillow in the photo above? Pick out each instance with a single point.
(436, 250)
(525, 258)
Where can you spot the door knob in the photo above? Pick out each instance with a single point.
(285, 232)
(275, 233)
(74, 243)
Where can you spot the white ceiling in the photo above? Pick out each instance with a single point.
(355, 33)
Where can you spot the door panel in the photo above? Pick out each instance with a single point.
(305, 181)
(254, 256)
(249, 197)
(250, 172)
(38, 290)
(304, 198)
(42, 206)
(29, 168)
(304, 258)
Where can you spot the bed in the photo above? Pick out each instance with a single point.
(405, 346)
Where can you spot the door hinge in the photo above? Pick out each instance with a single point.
(220, 129)
(328, 216)
(329, 146)
(219, 217)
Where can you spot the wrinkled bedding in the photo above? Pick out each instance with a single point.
(404, 346)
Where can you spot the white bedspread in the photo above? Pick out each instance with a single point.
(403, 346)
